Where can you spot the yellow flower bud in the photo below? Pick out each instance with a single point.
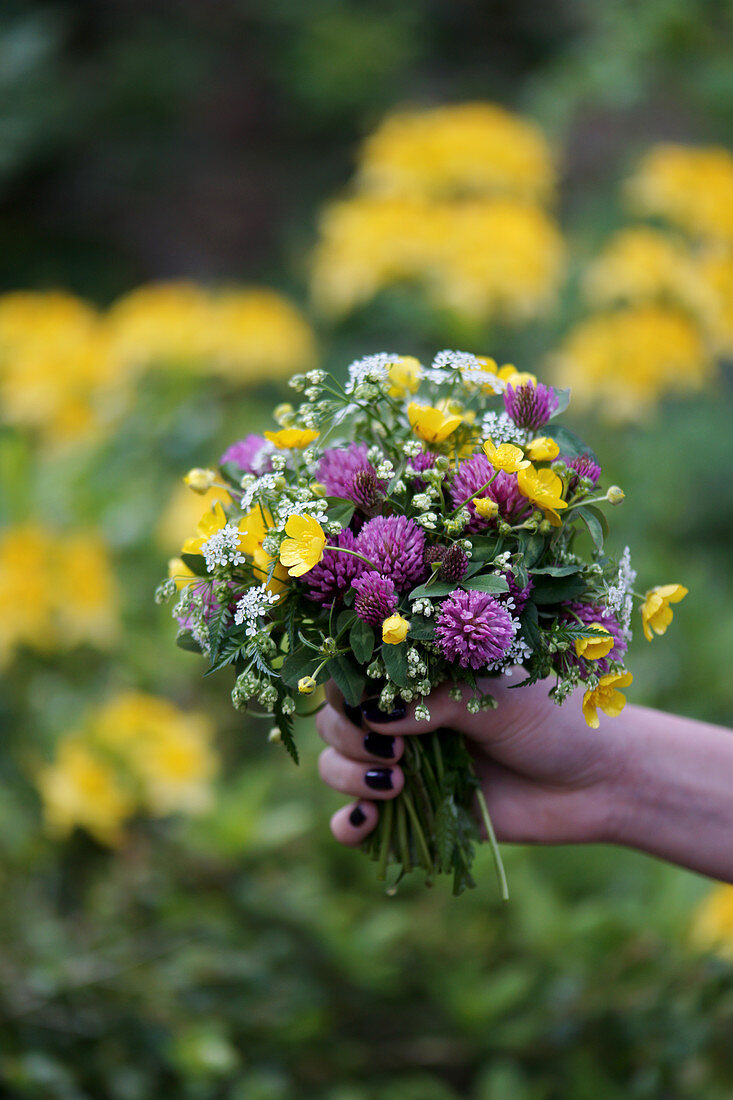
(486, 507)
(200, 480)
(593, 649)
(615, 494)
(394, 629)
(306, 685)
(283, 413)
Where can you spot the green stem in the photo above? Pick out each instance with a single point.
(404, 843)
(491, 836)
(386, 822)
(354, 554)
(474, 495)
(422, 844)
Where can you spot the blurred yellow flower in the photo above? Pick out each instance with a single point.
(644, 265)
(182, 513)
(160, 324)
(467, 148)
(714, 269)
(304, 546)
(542, 449)
(690, 186)
(513, 377)
(595, 648)
(81, 788)
(292, 438)
(395, 629)
(543, 488)
(199, 480)
(625, 360)
(404, 376)
(56, 591)
(180, 573)
(505, 457)
(432, 425)
(606, 697)
(656, 614)
(712, 923)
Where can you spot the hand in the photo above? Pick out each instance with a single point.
(547, 778)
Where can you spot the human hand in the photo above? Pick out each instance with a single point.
(546, 776)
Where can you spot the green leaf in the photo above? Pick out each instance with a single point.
(395, 661)
(233, 473)
(556, 570)
(285, 725)
(361, 640)
(185, 640)
(488, 583)
(446, 831)
(301, 662)
(530, 626)
(340, 510)
(196, 563)
(421, 629)
(344, 621)
(569, 443)
(532, 548)
(600, 516)
(563, 400)
(484, 547)
(593, 523)
(218, 626)
(438, 588)
(348, 677)
(557, 590)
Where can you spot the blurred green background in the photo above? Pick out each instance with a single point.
(202, 935)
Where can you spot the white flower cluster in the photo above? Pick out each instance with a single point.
(501, 429)
(222, 548)
(455, 360)
(619, 597)
(253, 605)
(372, 369)
(255, 489)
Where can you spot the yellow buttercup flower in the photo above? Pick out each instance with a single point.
(505, 457)
(200, 480)
(543, 488)
(712, 923)
(513, 377)
(542, 449)
(395, 629)
(606, 697)
(292, 438)
(486, 507)
(431, 424)
(208, 524)
(656, 614)
(593, 649)
(404, 376)
(304, 546)
(253, 527)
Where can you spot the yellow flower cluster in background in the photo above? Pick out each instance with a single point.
(689, 186)
(243, 335)
(68, 370)
(136, 754)
(665, 295)
(712, 923)
(472, 148)
(448, 200)
(56, 591)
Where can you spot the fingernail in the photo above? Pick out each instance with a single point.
(357, 817)
(372, 713)
(379, 744)
(379, 779)
(353, 714)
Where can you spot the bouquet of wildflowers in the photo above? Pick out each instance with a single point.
(414, 526)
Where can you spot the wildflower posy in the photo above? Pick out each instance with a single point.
(415, 526)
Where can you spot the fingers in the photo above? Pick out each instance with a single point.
(361, 780)
(365, 745)
(351, 824)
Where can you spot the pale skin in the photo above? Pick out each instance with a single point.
(656, 782)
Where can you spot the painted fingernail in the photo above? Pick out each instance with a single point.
(357, 817)
(371, 711)
(379, 744)
(379, 779)
(353, 714)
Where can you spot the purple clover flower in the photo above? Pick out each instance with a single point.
(530, 406)
(474, 629)
(584, 466)
(251, 454)
(332, 576)
(470, 476)
(376, 597)
(347, 472)
(395, 545)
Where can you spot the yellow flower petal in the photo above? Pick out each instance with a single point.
(656, 614)
(593, 649)
(505, 457)
(404, 376)
(543, 488)
(304, 546)
(431, 424)
(394, 629)
(605, 697)
(292, 438)
(542, 449)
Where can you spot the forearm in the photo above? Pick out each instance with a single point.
(674, 794)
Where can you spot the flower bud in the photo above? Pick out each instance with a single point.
(306, 685)
(615, 494)
(274, 736)
(200, 480)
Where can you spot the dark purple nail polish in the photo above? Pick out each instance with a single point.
(372, 713)
(357, 817)
(379, 744)
(353, 714)
(379, 779)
